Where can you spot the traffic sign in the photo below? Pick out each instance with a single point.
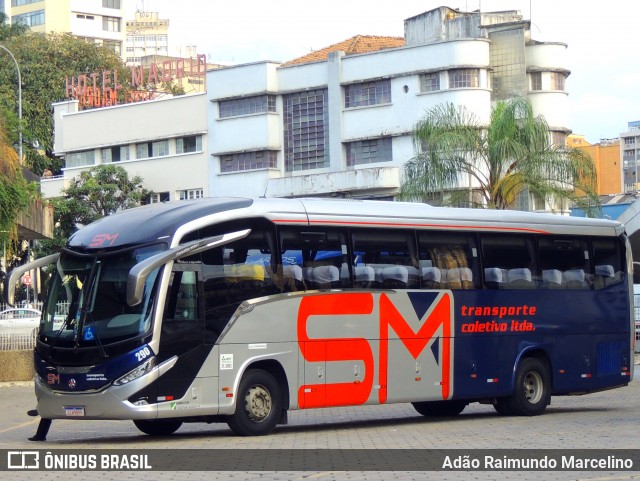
(26, 280)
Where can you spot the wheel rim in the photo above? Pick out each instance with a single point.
(533, 387)
(258, 403)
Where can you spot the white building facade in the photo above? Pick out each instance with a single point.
(99, 21)
(163, 141)
(337, 127)
(343, 127)
(630, 155)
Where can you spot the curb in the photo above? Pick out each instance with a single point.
(16, 384)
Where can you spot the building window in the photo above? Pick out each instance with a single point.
(113, 45)
(19, 3)
(157, 197)
(152, 149)
(464, 78)
(559, 139)
(369, 151)
(191, 194)
(110, 24)
(367, 93)
(192, 143)
(162, 38)
(30, 19)
(246, 106)
(80, 159)
(263, 159)
(536, 81)
(115, 154)
(557, 81)
(111, 4)
(430, 82)
(306, 130)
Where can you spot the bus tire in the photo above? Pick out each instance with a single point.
(259, 404)
(440, 408)
(532, 392)
(158, 427)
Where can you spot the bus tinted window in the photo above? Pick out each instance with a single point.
(564, 262)
(319, 257)
(233, 273)
(607, 262)
(509, 262)
(447, 261)
(388, 255)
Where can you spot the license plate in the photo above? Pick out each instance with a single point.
(74, 411)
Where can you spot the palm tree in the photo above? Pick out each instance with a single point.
(511, 155)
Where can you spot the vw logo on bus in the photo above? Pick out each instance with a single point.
(72, 383)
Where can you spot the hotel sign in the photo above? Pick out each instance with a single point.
(100, 89)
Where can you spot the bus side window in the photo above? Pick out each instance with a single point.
(607, 262)
(564, 262)
(447, 261)
(389, 255)
(509, 262)
(314, 258)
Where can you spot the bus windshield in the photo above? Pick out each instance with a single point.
(86, 303)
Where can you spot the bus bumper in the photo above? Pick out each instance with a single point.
(108, 403)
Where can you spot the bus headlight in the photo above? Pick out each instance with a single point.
(137, 372)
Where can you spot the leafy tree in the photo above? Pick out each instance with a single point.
(15, 193)
(96, 193)
(8, 30)
(45, 62)
(510, 155)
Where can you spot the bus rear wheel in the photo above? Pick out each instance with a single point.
(440, 408)
(158, 427)
(259, 404)
(532, 390)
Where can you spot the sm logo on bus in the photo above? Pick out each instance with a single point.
(407, 334)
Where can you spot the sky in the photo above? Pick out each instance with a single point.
(604, 85)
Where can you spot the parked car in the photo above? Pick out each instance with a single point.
(19, 321)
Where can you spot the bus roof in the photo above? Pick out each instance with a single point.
(170, 221)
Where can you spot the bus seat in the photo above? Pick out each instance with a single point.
(414, 276)
(466, 277)
(493, 277)
(364, 276)
(605, 275)
(574, 279)
(520, 277)
(326, 277)
(293, 277)
(605, 270)
(244, 272)
(551, 279)
(307, 275)
(395, 277)
(454, 278)
(431, 277)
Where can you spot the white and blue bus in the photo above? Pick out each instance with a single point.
(239, 310)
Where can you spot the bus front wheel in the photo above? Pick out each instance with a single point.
(439, 408)
(158, 427)
(532, 390)
(259, 404)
